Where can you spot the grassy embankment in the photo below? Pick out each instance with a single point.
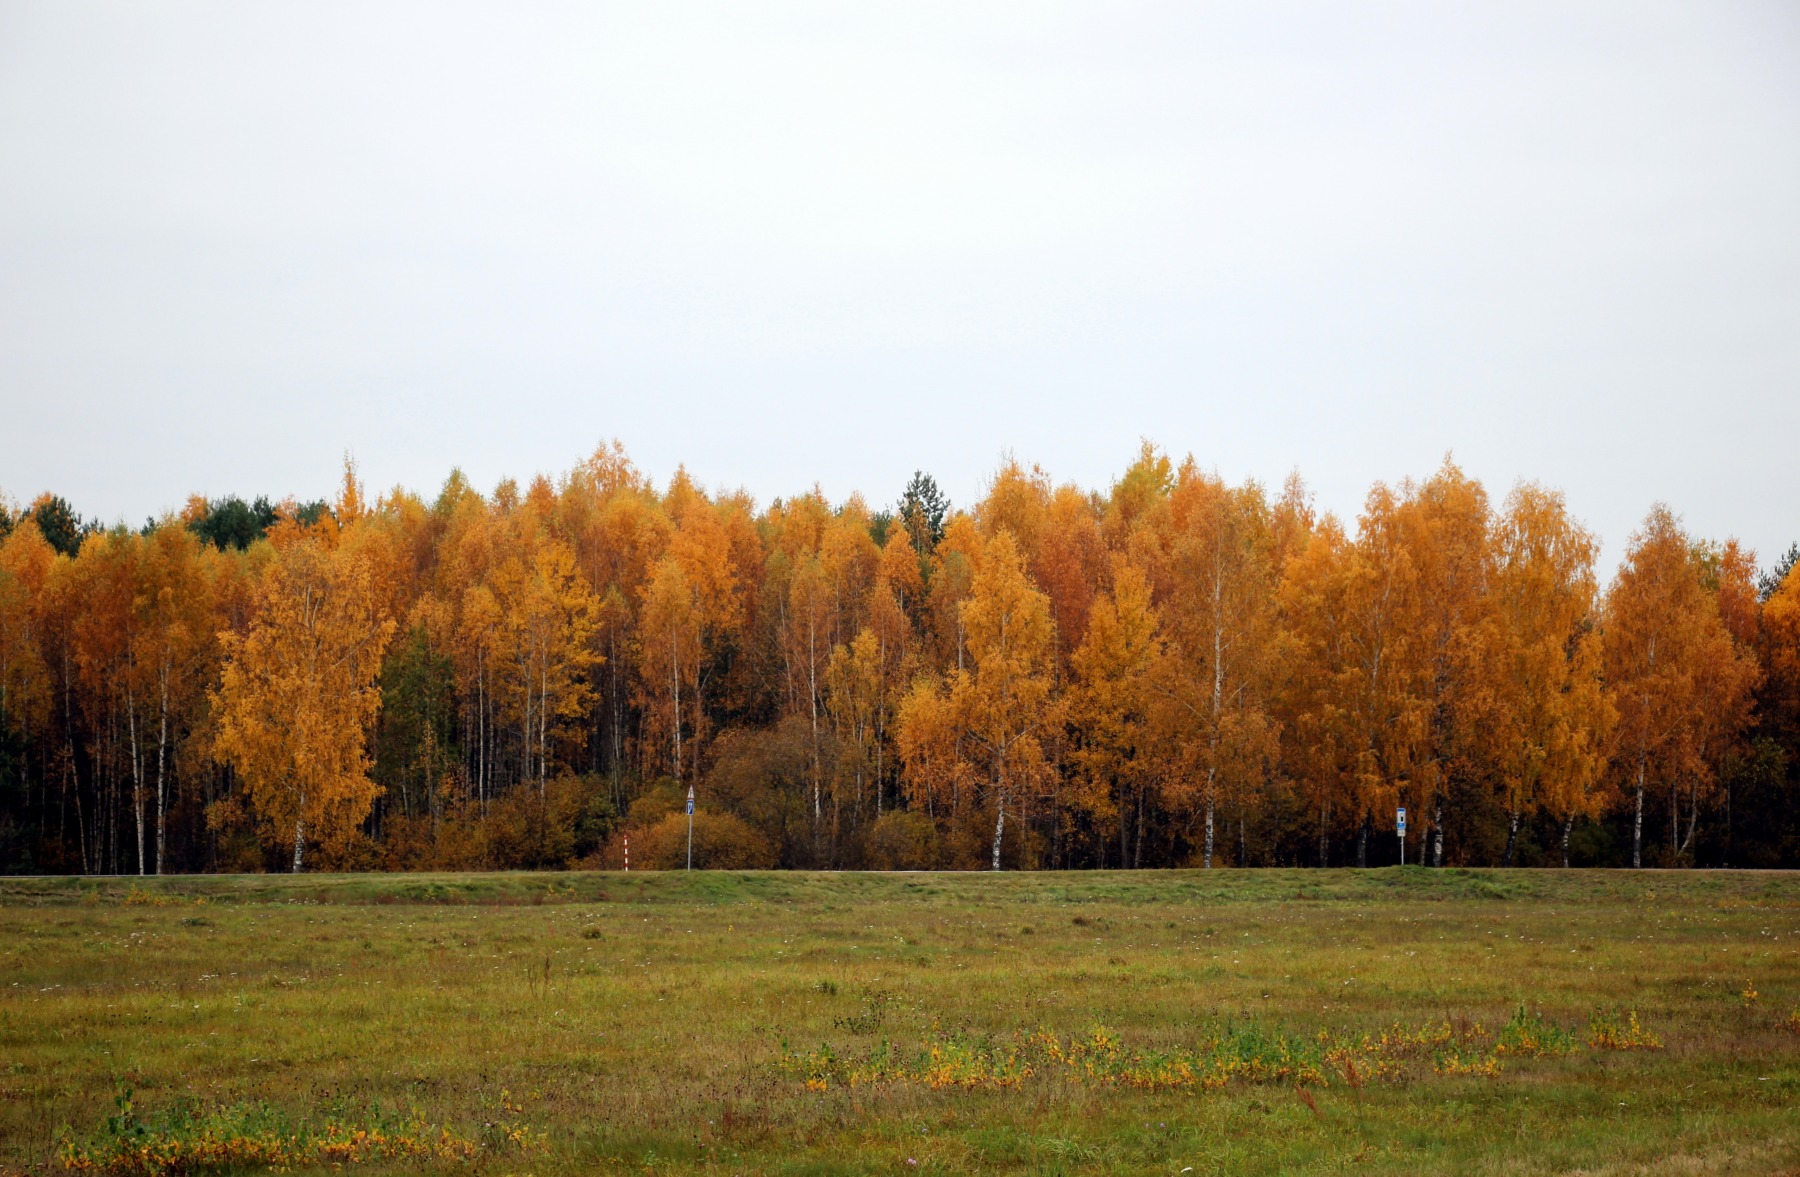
(582, 1022)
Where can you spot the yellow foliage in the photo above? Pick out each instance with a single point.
(297, 696)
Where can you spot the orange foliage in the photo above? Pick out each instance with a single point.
(1046, 677)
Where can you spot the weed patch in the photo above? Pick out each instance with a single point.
(1528, 1035)
(1609, 1030)
(187, 1139)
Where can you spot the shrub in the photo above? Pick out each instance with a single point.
(901, 840)
(721, 842)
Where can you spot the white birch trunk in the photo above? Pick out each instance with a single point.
(162, 761)
(137, 779)
(999, 826)
(1637, 822)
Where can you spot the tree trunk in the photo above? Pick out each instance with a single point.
(1637, 822)
(812, 698)
(137, 781)
(162, 760)
(1324, 836)
(481, 736)
(1124, 832)
(1727, 862)
(1218, 692)
(1674, 823)
(999, 826)
(1362, 843)
(1437, 832)
(1568, 824)
(675, 694)
(299, 842)
(1512, 837)
(1137, 848)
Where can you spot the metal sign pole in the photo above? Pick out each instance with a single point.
(690, 864)
(1400, 825)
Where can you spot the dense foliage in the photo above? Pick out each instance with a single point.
(1177, 671)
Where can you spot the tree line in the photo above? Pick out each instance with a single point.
(1174, 672)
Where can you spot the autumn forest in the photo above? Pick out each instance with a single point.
(1174, 671)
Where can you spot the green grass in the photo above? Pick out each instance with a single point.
(639, 1023)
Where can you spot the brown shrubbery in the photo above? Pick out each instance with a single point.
(721, 842)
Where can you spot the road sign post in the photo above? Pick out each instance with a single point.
(690, 864)
(1400, 825)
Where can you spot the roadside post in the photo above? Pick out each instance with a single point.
(1400, 825)
(690, 864)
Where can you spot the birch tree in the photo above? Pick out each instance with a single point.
(298, 696)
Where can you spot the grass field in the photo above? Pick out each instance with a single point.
(1226, 1022)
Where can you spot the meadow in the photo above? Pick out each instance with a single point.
(1231, 1022)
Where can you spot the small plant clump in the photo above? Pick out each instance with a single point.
(1528, 1035)
(1453, 1062)
(1608, 1031)
(138, 897)
(187, 1139)
(1750, 995)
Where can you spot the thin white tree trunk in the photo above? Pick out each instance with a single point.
(1637, 821)
(675, 680)
(999, 826)
(137, 780)
(162, 760)
(543, 725)
(299, 834)
(812, 698)
(1218, 701)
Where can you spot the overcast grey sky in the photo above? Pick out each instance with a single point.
(787, 243)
